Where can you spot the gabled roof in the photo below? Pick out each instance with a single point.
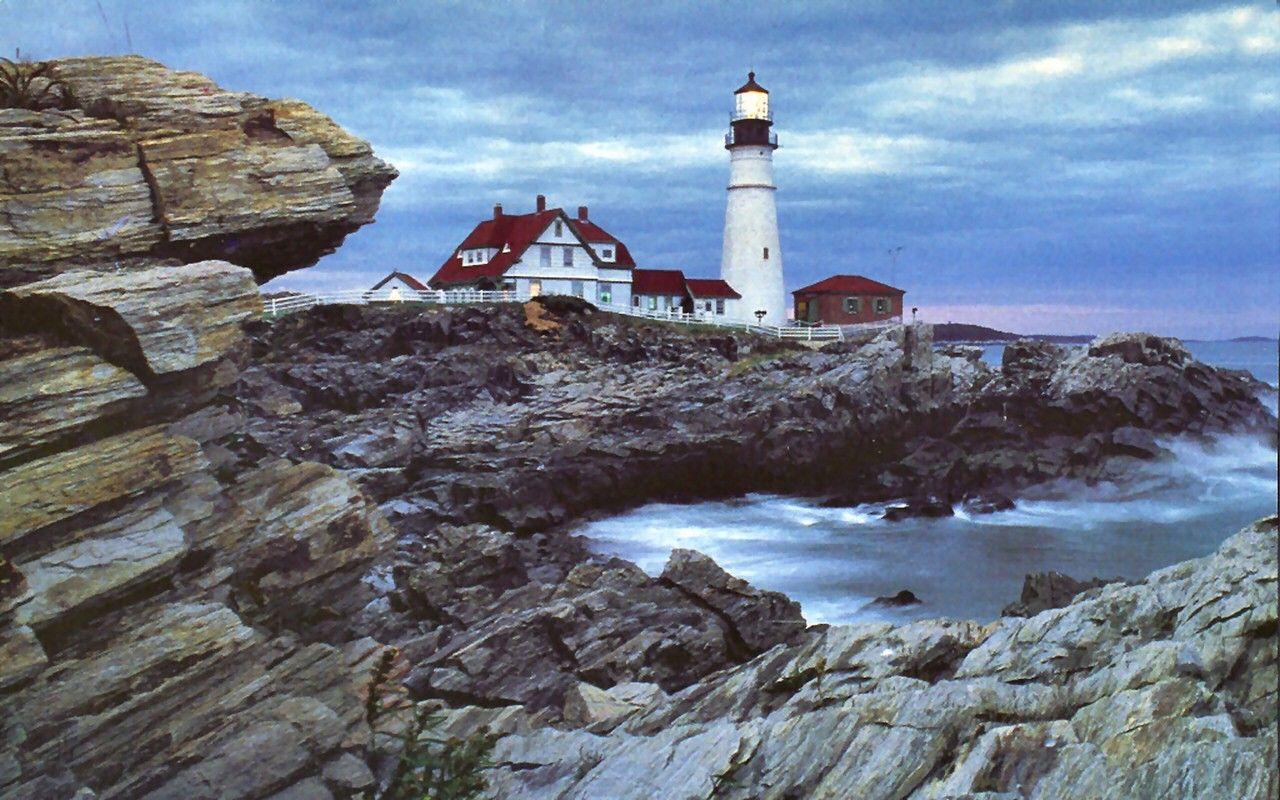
(657, 281)
(511, 235)
(711, 287)
(409, 280)
(594, 234)
(849, 284)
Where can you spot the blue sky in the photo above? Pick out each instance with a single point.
(1045, 166)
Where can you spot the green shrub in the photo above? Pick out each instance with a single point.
(32, 85)
(428, 767)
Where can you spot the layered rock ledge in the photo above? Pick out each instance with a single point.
(1162, 689)
(151, 165)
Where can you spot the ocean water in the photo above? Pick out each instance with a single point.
(835, 561)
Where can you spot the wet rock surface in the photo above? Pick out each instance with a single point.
(474, 415)
(195, 594)
(486, 432)
(1164, 688)
(1045, 590)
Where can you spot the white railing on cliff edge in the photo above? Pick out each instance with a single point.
(296, 301)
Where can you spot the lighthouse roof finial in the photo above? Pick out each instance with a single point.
(751, 85)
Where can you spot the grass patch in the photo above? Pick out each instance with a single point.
(428, 767)
(744, 365)
(31, 85)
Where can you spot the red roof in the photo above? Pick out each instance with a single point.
(657, 281)
(511, 235)
(848, 284)
(710, 287)
(409, 280)
(593, 233)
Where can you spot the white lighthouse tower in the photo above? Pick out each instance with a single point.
(752, 261)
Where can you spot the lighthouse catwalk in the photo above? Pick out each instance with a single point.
(752, 260)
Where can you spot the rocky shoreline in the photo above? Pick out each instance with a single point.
(220, 532)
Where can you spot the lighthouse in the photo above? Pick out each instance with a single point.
(752, 260)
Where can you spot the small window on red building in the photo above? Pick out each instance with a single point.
(882, 305)
(852, 305)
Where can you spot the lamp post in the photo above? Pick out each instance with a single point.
(760, 316)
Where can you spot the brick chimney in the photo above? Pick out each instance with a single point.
(542, 202)
(497, 210)
(582, 213)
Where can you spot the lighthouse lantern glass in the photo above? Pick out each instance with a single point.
(752, 105)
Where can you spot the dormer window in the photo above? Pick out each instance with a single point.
(607, 253)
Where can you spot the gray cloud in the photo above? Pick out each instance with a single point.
(1115, 156)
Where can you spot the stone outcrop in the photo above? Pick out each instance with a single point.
(484, 433)
(157, 166)
(1044, 590)
(167, 627)
(1166, 688)
(190, 605)
(488, 618)
(472, 415)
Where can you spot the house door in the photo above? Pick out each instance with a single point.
(535, 288)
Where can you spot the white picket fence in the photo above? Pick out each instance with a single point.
(296, 301)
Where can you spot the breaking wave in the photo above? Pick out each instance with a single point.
(836, 560)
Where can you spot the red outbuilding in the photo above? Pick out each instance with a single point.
(847, 300)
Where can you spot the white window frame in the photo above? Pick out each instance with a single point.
(544, 255)
(567, 258)
(719, 305)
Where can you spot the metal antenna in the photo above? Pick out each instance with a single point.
(893, 263)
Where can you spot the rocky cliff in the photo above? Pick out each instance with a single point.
(216, 529)
(1163, 689)
(160, 618)
(144, 165)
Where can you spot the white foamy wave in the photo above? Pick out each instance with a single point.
(1201, 473)
(835, 560)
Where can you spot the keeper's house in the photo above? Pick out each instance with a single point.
(668, 290)
(545, 252)
(397, 286)
(847, 300)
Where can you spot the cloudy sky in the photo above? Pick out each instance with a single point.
(1046, 166)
